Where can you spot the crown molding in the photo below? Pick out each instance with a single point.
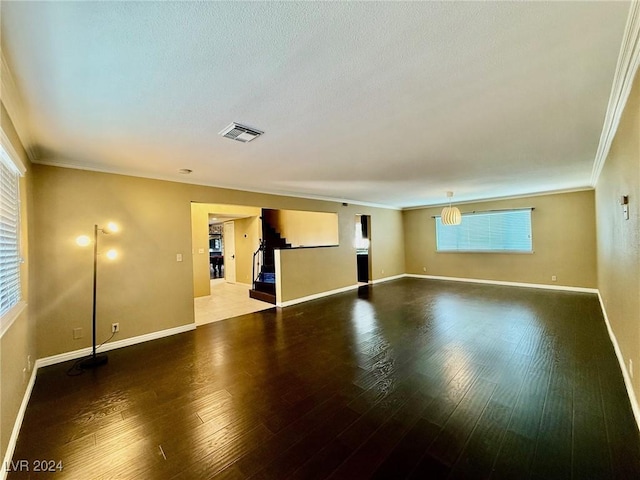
(628, 61)
(169, 178)
(13, 102)
(506, 197)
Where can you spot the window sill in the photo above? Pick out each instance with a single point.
(509, 252)
(8, 318)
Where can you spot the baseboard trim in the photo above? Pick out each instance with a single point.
(18, 424)
(328, 293)
(315, 296)
(126, 342)
(625, 374)
(508, 284)
(387, 279)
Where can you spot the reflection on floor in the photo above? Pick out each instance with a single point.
(226, 300)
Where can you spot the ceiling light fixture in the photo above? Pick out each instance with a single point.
(241, 133)
(185, 171)
(451, 215)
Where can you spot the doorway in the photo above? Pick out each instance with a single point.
(224, 238)
(362, 243)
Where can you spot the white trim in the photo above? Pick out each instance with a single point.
(328, 293)
(626, 68)
(508, 284)
(387, 279)
(8, 318)
(126, 342)
(278, 271)
(18, 424)
(315, 296)
(12, 101)
(11, 152)
(506, 197)
(625, 374)
(236, 188)
(437, 277)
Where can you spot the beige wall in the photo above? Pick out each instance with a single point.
(247, 233)
(335, 267)
(306, 229)
(200, 241)
(564, 244)
(618, 239)
(19, 341)
(146, 290)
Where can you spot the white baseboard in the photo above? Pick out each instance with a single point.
(83, 352)
(508, 284)
(387, 279)
(17, 424)
(315, 296)
(625, 373)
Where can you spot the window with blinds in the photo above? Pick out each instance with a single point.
(497, 231)
(10, 291)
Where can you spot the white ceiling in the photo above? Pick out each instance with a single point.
(386, 103)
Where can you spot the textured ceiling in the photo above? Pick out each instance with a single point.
(387, 103)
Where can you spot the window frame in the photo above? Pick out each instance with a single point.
(10, 159)
(438, 224)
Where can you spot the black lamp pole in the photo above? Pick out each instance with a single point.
(94, 360)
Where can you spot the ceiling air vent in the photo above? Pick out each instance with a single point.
(241, 133)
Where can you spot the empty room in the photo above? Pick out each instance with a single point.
(319, 240)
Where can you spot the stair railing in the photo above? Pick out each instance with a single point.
(258, 256)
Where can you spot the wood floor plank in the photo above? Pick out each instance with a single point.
(460, 425)
(291, 459)
(481, 450)
(409, 451)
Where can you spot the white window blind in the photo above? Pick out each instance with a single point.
(497, 231)
(9, 234)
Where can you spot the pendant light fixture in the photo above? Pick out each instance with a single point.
(451, 215)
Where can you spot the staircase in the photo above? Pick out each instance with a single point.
(264, 283)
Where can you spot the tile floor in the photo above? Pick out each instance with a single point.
(226, 300)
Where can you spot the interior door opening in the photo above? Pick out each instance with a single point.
(363, 247)
(224, 238)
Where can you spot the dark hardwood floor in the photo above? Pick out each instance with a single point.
(407, 379)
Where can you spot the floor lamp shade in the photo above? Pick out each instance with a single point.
(451, 216)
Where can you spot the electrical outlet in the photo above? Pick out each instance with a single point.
(77, 333)
(29, 366)
(115, 327)
(383, 271)
(424, 269)
(554, 278)
(631, 368)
